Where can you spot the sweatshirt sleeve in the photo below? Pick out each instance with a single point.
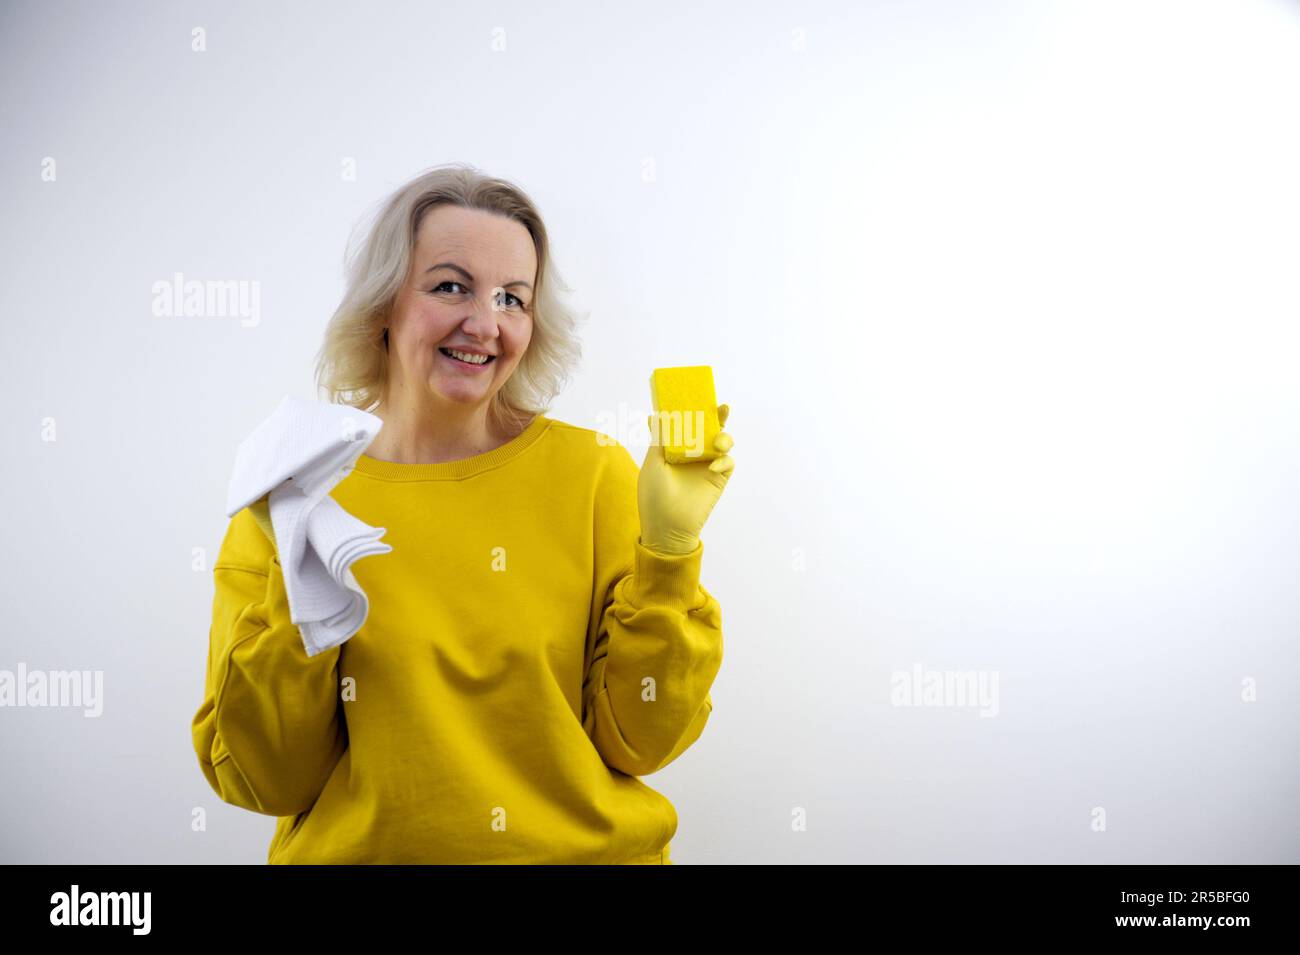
(270, 729)
(655, 641)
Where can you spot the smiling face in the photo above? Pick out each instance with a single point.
(469, 290)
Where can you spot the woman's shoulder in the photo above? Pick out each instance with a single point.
(245, 545)
(597, 448)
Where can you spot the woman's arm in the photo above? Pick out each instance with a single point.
(658, 640)
(270, 730)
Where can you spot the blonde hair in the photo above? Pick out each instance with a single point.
(352, 365)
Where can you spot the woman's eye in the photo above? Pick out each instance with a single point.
(519, 303)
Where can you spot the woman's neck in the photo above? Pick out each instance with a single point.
(408, 438)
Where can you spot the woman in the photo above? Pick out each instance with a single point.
(537, 638)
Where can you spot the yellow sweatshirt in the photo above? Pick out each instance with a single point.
(524, 660)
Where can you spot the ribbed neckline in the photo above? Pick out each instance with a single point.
(453, 470)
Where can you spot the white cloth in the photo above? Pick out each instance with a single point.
(297, 455)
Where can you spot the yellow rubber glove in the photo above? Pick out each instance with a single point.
(674, 500)
(261, 510)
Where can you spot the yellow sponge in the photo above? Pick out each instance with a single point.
(687, 411)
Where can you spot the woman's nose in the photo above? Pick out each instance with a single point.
(483, 320)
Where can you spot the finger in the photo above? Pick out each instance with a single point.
(724, 412)
(723, 465)
(723, 442)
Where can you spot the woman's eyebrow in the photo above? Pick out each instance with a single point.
(456, 268)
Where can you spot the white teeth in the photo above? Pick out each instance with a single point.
(465, 356)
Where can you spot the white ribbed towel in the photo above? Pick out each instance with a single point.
(297, 455)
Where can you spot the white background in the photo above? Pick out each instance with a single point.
(1003, 296)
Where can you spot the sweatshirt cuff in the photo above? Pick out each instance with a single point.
(671, 580)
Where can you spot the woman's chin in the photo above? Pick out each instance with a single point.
(460, 392)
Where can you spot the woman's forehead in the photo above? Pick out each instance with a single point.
(488, 241)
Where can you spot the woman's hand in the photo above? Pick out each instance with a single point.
(675, 500)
